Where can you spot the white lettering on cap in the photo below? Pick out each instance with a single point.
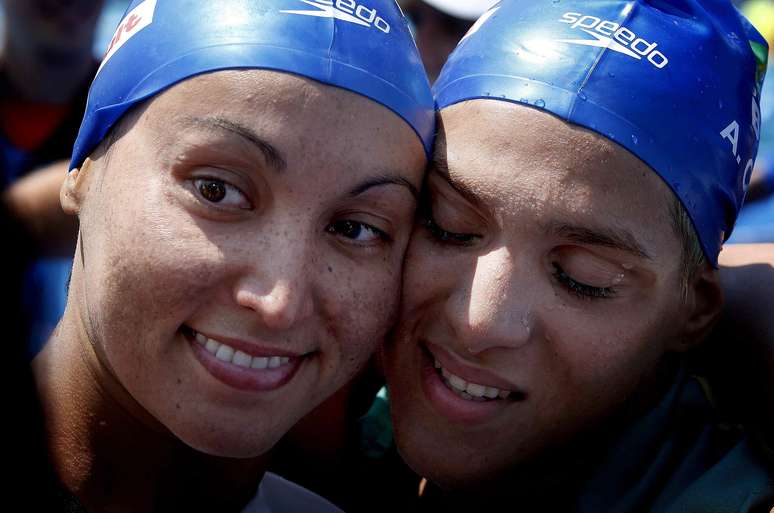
(135, 20)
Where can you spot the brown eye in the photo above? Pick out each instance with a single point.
(212, 190)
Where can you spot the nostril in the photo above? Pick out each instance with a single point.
(679, 8)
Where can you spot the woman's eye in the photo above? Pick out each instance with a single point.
(221, 193)
(581, 290)
(445, 236)
(356, 231)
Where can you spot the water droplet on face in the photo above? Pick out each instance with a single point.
(618, 278)
(540, 103)
(525, 321)
(635, 140)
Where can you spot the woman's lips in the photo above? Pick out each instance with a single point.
(259, 371)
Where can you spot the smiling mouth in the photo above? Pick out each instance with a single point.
(469, 390)
(228, 354)
(257, 371)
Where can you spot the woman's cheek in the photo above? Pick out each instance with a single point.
(368, 304)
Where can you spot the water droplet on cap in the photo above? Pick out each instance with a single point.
(540, 103)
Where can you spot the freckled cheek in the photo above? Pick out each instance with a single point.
(154, 287)
(367, 303)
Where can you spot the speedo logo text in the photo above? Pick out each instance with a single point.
(614, 36)
(344, 10)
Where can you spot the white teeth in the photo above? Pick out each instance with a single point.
(259, 362)
(470, 391)
(475, 390)
(212, 346)
(458, 383)
(228, 354)
(225, 353)
(242, 359)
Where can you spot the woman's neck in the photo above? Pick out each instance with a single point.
(111, 454)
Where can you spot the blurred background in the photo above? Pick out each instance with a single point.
(51, 50)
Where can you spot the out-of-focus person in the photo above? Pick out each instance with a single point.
(439, 25)
(46, 66)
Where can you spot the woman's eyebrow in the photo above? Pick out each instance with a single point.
(273, 156)
(385, 179)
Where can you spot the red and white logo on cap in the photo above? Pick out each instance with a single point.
(134, 21)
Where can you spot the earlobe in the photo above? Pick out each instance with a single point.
(704, 303)
(73, 188)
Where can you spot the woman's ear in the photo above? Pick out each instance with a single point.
(704, 303)
(74, 187)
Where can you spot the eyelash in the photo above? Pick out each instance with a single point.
(332, 228)
(583, 291)
(442, 236)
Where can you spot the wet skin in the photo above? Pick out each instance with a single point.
(545, 268)
(260, 209)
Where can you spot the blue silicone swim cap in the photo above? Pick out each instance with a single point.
(360, 45)
(675, 82)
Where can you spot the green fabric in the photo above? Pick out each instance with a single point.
(376, 427)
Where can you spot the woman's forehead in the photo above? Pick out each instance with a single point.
(296, 109)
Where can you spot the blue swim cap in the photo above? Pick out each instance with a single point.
(360, 45)
(676, 82)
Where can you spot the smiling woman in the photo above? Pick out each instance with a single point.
(238, 258)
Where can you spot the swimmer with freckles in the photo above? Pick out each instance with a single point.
(245, 198)
(567, 265)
